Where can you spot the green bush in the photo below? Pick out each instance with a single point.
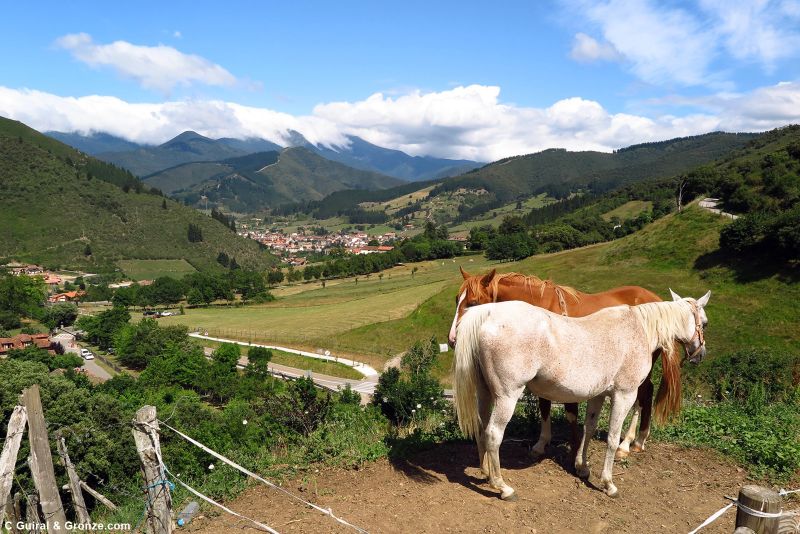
(753, 375)
(413, 396)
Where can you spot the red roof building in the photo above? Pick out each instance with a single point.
(23, 341)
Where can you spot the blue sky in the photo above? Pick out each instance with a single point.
(460, 79)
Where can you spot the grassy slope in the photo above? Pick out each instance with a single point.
(629, 210)
(760, 313)
(52, 211)
(152, 269)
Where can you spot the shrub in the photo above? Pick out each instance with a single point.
(754, 375)
(415, 395)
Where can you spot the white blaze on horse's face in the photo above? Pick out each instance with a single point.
(452, 336)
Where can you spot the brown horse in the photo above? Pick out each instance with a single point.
(493, 287)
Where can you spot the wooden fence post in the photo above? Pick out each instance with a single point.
(74, 482)
(32, 513)
(763, 500)
(145, 432)
(97, 495)
(8, 458)
(41, 460)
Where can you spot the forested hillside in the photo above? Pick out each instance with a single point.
(258, 181)
(62, 208)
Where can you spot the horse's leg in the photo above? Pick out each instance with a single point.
(621, 403)
(645, 400)
(624, 448)
(593, 408)
(484, 412)
(545, 433)
(501, 415)
(571, 410)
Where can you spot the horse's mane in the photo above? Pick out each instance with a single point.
(530, 281)
(662, 323)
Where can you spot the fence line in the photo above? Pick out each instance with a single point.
(249, 473)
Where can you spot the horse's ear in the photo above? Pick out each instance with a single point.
(487, 278)
(675, 296)
(702, 301)
(463, 272)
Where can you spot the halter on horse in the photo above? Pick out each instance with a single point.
(493, 287)
(505, 347)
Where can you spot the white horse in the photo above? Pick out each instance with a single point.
(504, 347)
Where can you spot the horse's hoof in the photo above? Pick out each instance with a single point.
(583, 471)
(637, 448)
(612, 491)
(483, 477)
(512, 497)
(621, 453)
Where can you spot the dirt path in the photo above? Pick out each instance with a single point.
(665, 489)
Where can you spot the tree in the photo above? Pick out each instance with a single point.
(101, 328)
(194, 233)
(60, 314)
(275, 277)
(223, 259)
(87, 250)
(258, 359)
(22, 295)
(164, 204)
(195, 297)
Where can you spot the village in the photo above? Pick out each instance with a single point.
(293, 246)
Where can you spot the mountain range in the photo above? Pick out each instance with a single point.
(250, 183)
(189, 146)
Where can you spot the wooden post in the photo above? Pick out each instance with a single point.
(41, 460)
(763, 500)
(78, 503)
(32, 513)
(17, 511)
(145, 432)
(8, 458)
(97, 495)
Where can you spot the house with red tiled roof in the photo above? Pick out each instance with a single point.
(69, 296)
(23, 341)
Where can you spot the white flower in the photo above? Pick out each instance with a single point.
(419, 406)
(413, 411)
(244, 421)
(211, 467)
(385, 399)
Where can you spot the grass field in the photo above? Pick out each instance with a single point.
(629, 210)
(309, 316)
(152, 269)
(375, 319)
(495, 217)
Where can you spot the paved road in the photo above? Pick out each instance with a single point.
(90, 366)
(333, 383)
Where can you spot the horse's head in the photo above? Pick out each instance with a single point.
(694, 342)
(473, 291)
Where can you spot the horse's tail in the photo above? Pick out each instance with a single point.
(467, 370)
(668, 398)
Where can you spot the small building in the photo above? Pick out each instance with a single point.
(23, 341)
(68, 296)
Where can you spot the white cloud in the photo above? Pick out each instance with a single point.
(587, 49)
(464, 122)
(154, 67)
(691, 43)
(177, 34)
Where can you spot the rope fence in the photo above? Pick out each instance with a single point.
(749, 511)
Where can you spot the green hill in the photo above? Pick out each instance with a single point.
(559, 172)
(266, 179)
(62, 208)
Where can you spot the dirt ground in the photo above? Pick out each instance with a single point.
(667, 488)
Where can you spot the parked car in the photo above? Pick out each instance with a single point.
(87, 354)
(151, 313)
